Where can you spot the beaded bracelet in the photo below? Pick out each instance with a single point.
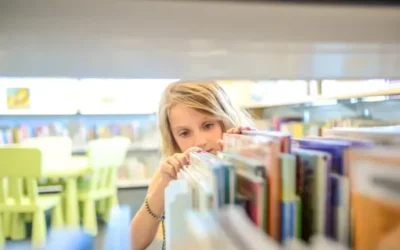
(162, 219)
(146, 202)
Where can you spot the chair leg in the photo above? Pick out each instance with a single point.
(2, 232)
(57, 216)
(7, 226)
(111, 202)
(89, 217)
(102, 206)
(18, 230)
(39, 233)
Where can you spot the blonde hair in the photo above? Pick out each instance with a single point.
(207, 97)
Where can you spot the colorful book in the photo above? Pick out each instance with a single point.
(375, 197)
(288, 176)
(253, 188)
(315, 192)
(288, 226)
(283, 138)
(265, 150)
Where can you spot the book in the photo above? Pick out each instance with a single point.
(253, 188)
(379, 136)
(316, 200)
(375, 196)
(283, 138)
(288, 176)
(265, 150)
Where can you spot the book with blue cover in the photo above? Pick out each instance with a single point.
(288, 222)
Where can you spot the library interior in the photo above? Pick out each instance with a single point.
(84, 88)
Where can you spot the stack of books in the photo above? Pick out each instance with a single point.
(267, 190)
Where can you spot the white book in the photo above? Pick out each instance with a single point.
(177, 203)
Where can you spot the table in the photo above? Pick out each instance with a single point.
(78, 167)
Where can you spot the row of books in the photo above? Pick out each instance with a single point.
(342, 188)
(298, 128)
(78, 131)
(230, 228)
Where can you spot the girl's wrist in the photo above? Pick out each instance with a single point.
(155, 203)
(155, 199)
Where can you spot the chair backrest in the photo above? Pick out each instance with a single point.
(105, 156)
(56, 150)
(19, 167)
(108, 152)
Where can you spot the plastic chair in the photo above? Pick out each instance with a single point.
(57, 151)
(21, 166)
(56, 156)
(104, 157)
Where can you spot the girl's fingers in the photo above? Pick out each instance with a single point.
(182, 159)
(192, 149)
(229, 131)
(170, 170)
(238, 130)
(174, 163)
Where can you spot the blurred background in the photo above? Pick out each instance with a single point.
(96, 69)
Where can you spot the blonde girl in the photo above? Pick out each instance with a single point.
(192, 117)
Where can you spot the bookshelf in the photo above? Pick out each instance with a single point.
(79, 150)
(310, 99)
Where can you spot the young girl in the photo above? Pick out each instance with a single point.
(192, 117)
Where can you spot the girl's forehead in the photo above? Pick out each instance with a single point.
(181, 115)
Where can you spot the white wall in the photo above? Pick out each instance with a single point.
(167, 39)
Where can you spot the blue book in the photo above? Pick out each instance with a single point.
(223, 172)
(288, 222)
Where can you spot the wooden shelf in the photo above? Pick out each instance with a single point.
(387, 92)
(285, 41)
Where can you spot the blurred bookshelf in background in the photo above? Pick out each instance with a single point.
(86, 109)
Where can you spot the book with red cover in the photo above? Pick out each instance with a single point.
(253, 188)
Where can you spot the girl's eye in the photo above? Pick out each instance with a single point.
(209, 126)
(184, 134)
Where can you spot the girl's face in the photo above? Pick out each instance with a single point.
(191, 128)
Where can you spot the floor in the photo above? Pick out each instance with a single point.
(131, 197)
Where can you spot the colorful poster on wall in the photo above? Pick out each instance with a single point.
(18, 98)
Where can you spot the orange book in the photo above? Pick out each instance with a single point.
(375, 197)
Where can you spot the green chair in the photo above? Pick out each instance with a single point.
(104, 158)
(19, 167)
(56, 156)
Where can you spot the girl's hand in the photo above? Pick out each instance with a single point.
(171, 166)
(238, 130)
(235, 130)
